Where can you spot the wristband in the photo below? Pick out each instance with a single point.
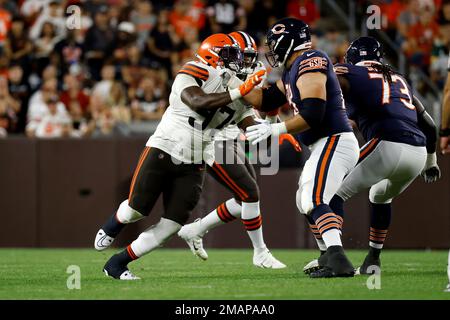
(279, 128)
(431, 160)
(235, 94)
(444, 132)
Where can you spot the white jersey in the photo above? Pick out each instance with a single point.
(232, 131)
(185, 134)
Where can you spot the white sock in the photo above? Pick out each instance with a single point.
(125, 214)
(253, 223)
(376, 245)
(213, 219)
(154, 237)
(321, 244)
(317, 237)
(332, 238)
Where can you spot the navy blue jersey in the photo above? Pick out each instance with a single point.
(381, 110)
(335, 119)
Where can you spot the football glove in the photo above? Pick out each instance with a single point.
(263, 130)
(289, 138)
(431, 172)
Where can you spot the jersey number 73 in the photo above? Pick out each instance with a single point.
(398, 83)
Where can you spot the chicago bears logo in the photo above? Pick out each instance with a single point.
(278, 28)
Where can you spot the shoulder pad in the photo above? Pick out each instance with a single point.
(313, 61)
(341, 68)
(195, 71)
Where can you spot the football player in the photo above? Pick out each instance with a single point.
(445, 117)
(310, 86)
(239, 177)
(173, 161)
(445, 134)
(400, 135)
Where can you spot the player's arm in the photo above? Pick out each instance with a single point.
(312, 85)
(445, 118)
(198, 100)
(314, 95)
(246, 122)
(431, 171)
(426, 124)
(267, 99)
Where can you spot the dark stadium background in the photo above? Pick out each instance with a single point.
(113, 77)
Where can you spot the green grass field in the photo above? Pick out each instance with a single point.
(228, 274)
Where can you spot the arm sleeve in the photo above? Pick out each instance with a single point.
(272, 98)
(427, 125)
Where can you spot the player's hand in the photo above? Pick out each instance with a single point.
(251, 82)
(445, 145)
(289, 138)
(263, 130)
(431, 172)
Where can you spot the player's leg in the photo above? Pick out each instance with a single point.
(405, 170)
(238, 177)
(145, 189)
(331, 159)
(226, 212)
(180, 196)
(368, 171)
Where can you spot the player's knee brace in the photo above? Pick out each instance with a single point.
(303, 201)
(155, 236)
(378, 197)
(126, 214)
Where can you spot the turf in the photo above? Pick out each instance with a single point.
(228, 274)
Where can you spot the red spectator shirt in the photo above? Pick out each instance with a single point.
(304, 10)
(5, 24)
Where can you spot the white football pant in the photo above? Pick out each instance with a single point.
(331, 160)
(388, 168)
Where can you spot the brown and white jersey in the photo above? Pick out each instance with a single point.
(185, 134)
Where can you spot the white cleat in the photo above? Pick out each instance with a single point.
(191, 234)
(448, 288)
(266, 260)
(126, 276)
(311, 266)
(102, 240)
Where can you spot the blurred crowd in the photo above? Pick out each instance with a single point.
(421, 28)
(74, 68)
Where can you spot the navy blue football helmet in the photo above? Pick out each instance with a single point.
(363, 49)
(284, 37)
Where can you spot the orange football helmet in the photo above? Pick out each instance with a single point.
(248, 48)
(220, 50)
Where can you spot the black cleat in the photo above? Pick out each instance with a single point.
(314, 265)
(369, 265)
(116, 269)
(335, 264)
